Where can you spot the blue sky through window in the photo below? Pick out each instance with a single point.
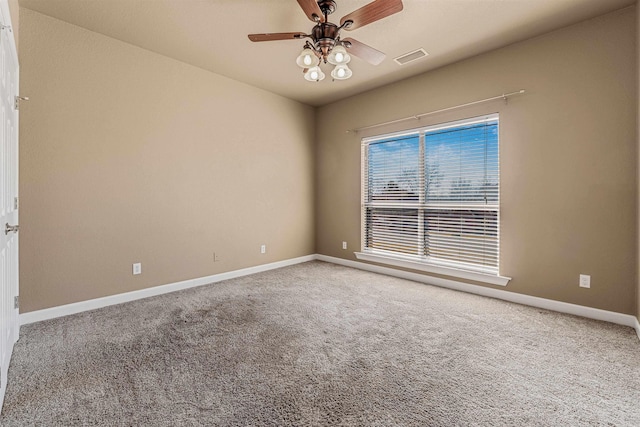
(461, 164)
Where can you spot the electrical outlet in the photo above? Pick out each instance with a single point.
(344, 245)
(585, 281)
(216, 257)
(263, 249)
(137, 268)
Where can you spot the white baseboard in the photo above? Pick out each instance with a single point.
(78, 307)
(562, 307)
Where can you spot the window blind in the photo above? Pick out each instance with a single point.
(432, 194)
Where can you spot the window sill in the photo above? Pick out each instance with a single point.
(431, 268)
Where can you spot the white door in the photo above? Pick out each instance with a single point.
(9, 325)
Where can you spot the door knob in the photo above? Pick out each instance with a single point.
(9, 228)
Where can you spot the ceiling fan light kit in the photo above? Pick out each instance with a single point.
(314, 74)
(338, 56)
(325, 44)
(306, 59)
(341, 72)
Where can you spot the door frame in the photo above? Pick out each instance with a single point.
(6, 30)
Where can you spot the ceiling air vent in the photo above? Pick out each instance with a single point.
(411, 56)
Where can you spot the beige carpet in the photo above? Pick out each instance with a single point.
(320, 344)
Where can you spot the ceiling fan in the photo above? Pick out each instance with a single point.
(326, 45)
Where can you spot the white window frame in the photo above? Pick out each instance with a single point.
(422, 262)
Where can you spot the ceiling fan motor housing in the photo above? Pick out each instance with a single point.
(324, 37)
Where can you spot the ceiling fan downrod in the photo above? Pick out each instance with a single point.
(326, 35)
(327, 7)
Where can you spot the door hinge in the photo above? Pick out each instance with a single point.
(16, 301)
(18, 99)
(15, 203)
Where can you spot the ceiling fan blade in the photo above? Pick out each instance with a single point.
(267, 37)
(364, 51)
(371, 12)
(312, 10)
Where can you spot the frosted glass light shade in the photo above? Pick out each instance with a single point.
(314, 74)
(341, 72)
(307, 59)
(338, 56)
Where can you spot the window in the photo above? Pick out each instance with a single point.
(432, 195)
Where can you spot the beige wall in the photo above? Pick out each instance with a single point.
(14, 10)
(568, 157)
(128, 156)
(638, 181)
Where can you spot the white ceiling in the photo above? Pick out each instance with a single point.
(212, 34)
